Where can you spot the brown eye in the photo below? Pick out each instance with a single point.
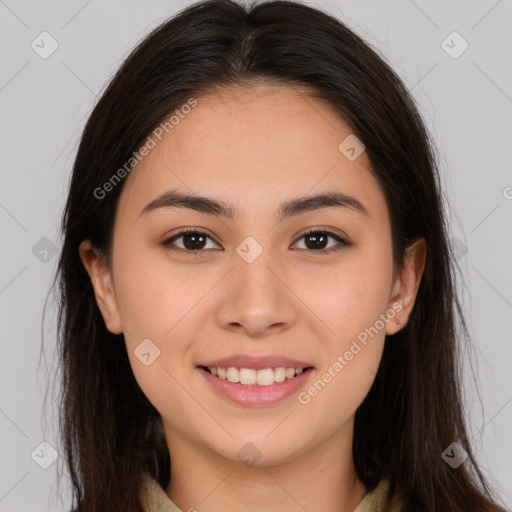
(316, 241)
(192, 241)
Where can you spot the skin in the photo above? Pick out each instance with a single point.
(255, 147)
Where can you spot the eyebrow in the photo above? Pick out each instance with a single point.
(210, 206)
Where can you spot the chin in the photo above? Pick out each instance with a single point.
(257, 451)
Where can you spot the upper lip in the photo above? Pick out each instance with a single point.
(255, 362)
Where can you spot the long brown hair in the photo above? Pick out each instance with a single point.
(111, 433)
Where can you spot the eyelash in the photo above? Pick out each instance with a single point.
(168, 243)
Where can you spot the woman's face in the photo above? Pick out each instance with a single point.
(250, 284)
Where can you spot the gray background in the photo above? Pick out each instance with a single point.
(44, 103)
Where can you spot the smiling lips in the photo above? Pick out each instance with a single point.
(249, 380)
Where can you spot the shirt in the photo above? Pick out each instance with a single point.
(154, 499)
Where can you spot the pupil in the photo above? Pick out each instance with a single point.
(317, 239)
(196, 237)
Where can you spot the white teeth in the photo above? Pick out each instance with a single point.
(247, 376)
(251, 377)
(265, 377)
(280, 374)
(232, 374)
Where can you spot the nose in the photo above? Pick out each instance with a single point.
(256, 300)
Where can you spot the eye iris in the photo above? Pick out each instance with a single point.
(318, 238)
(195, 238)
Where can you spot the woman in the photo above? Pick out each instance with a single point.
(258, 307)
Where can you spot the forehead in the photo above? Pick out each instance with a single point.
(253, 145)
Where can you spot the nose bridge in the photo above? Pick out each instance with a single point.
(256, 299)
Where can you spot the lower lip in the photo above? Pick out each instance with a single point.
(256, 395)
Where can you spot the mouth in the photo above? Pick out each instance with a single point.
(255, 387)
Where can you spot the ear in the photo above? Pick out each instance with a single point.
(101, 280)
(406, 284)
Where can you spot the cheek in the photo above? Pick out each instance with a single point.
(349, 302)
(351, 353)
(349, 297)
(156, 303)
(155, 296)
